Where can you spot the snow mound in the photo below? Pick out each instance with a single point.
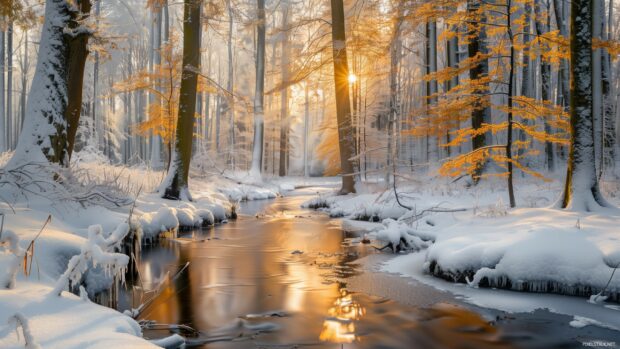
(398, 236)
(535, 250)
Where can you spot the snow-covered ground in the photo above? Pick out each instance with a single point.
(469, 236)
(31, 310)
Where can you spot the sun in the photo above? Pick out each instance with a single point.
(352, 78)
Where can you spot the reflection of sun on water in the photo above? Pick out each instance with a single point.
(339, 327)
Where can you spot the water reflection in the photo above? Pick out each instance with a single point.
(280, 280)
(339, 326)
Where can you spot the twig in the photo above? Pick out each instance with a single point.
(395, 191)
(30, 249)
(609, 281)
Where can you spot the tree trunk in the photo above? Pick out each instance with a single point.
(9, 87)
(24, 68)
(259, 93)
(581, 191)
(597, 86)
(431, 91)
(527, 79)
(306, 127)
(230, 104)
(542, 27)
(44, 135)
(78, 52)
(3, 128)
(156, 141)
(481, 113)
(346, 138)
(608, 160)
(284, 111)
(511, 82)
(395, 55)
(98, 125)
(176, 182)
(564, 71)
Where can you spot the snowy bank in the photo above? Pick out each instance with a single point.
(469, 236)
(79, 248)
(34, 306)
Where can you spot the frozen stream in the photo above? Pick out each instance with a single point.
(284, 277)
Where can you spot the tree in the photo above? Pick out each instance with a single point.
(175, 185)
(259, 93)
(581, 190)
(229, 106)
(78, 53)
(395, 56)
(543, 24)
(346, 139)
(477, 51)
(3, 131)
(44, 137)
(284, 97)
(491, 63)
(163, 82)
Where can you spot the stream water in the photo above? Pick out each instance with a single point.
(282, 277)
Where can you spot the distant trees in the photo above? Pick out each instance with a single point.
(163, 82)
(475, 89)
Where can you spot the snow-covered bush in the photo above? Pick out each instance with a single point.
(99, 251)
(398, 236)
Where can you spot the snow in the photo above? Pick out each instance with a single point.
(580, 321)
(64, 322)
(61, 321)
